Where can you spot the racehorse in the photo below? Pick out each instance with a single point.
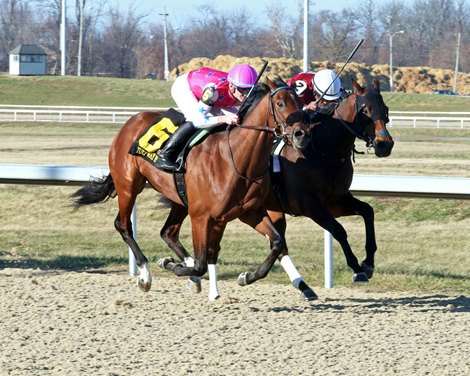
(315, 181)
(227, 177)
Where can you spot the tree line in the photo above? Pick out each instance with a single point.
(130, 44)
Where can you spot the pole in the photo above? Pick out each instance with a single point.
(391, 62)
(63, 45)
(80, 39)
(392, 88)
(306, 39)
(328, 259)
(166, 71)
(457, 63)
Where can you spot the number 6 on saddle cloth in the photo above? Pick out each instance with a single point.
(158, 133)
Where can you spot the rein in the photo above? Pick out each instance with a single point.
(278, 130)
(362, 136)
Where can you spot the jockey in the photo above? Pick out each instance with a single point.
(207, 98)
(310, 86)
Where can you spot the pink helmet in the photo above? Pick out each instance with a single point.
(242, 75)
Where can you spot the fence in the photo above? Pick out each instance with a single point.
(368, 185)
(78, 114)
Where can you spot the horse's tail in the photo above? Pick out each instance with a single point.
(97, 190)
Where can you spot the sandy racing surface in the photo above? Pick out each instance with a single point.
(70, 323)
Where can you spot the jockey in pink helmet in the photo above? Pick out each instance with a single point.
(207, 98)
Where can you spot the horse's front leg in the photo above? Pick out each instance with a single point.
(279, 221)
(349, 205)
(215, 237)
(367, 213)
(259, 220)
(319, 213)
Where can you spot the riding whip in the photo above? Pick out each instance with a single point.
(342, 68)
(257, 79)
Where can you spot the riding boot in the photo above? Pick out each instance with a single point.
(167, 156)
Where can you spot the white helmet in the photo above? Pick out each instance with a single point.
(322, 83)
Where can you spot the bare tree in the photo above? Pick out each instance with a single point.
(16, 26)
(284, 30)
(120, 38)
(334, 35)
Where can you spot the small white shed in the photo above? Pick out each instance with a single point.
(28, 60)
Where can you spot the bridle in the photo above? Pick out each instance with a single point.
(279, 127)
(356, 128)
(278, 131)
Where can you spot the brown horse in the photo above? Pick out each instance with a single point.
(227, 178)
(314, 182)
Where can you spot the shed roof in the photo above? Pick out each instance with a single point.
(28, 49)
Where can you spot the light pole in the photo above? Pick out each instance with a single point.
(166, 72)
(63, 44)
(306, 41)
(80, 38)
(457, 63)
(392, 88)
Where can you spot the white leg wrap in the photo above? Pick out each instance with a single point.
(213, 289)
(291, 270)
(189, 262)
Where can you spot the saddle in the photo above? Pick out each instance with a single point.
(155, 137)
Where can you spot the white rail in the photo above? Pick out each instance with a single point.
(368, 185)
(82, 114)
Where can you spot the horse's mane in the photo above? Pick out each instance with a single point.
(256, 95)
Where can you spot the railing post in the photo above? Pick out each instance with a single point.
(328, 257)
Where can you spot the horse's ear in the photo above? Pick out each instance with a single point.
(376, 85)
(357, 88)
(271, 84)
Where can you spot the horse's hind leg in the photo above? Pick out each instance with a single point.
(279, 221)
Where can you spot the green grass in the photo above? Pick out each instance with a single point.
(84, 91)
(103, 91)
(426, 102)
(423, 243)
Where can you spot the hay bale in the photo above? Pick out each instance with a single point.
(406, 79)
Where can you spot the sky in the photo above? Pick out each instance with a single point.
(180, 10)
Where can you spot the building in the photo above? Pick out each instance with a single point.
(28, 60)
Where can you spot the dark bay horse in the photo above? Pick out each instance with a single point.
(227, 178)
(316, 180)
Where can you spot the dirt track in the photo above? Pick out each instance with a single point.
(69, 323)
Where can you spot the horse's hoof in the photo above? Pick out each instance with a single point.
(144, 286)
(163, 262)
(242, 279)
(309, 295)
(369, 270)
(194, 285)
(360, 278)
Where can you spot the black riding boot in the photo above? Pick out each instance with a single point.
(167, 156)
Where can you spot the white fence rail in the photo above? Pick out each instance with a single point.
(81, 114)
(368, 185)
(71, 114)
